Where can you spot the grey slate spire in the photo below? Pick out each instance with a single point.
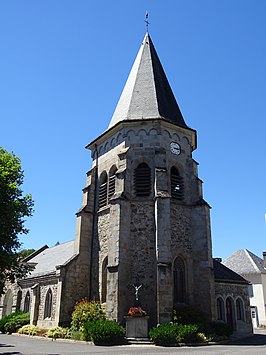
(147, 93)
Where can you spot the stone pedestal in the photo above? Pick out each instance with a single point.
(137, 327)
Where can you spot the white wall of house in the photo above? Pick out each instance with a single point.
(259, 295)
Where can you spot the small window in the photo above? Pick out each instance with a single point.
(220, 308)
(142, 180)
(239, 309)
(103, 190)
(250, 291)
(177, 184)
(104, 279)
(179, 281)
(27, 302)
(48, 304)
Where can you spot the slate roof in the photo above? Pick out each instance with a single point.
(244, 262)
(147, 93)
(224, 274)
(47, 259)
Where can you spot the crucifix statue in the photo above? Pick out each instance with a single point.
(137, 291)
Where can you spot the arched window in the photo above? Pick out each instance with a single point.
(220, 308)
(104, 279)
(27, 302)
(239, 309)
(111, 185)
(177, 184)
(48, 304)
(179, 275)
(19, 298)
(103, 190)
(142, 180)
(230, 316)
(8, 303)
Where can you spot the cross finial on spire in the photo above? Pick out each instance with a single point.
(147, 22)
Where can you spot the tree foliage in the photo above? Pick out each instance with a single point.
(14, 207)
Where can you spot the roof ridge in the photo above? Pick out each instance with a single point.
(252, 261)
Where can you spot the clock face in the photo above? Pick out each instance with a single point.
(175, 148)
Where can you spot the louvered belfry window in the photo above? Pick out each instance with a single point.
(177, 184)
(103, 190)
(111, 187)
(142, 180)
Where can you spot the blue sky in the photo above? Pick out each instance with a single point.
(63, 65)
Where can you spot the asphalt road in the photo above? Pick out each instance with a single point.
(21, 345)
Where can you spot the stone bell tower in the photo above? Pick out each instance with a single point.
(143, 219)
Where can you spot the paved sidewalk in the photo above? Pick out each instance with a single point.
(22, 345)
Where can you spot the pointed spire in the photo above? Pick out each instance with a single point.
(147, 93)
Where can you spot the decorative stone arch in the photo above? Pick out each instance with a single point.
(153, 132)
(104, 280)
(240, 311)
(176, 136)
(179, 281)
(141, 130)
(8, 303)
(106, 146)
(112, 144)
(26, 307)
(48, 304)
(119, 138)
(176, 184)
(220, 308)
(165, 131)
(230, 312)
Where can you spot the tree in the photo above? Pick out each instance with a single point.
(14, 207)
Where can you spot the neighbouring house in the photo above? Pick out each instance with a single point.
(253, 269)
(143, 222)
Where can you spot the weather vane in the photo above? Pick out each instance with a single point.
(147, 22)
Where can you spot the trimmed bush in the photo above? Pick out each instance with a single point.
(32, 330)
(14, 321)
(173, 333)
(86, 311)
(165, 334)
(57, 332)
(104, 332)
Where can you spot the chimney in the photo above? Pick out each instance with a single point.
(264, 259)
(220, 259)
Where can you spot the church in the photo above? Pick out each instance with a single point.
(143, 225)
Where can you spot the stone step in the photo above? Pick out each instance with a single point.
(140, 341)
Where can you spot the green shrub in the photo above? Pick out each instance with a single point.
(11, 316)
(14, 321)
(173, 333)
(86, 311)
(165, 334)
(57, 332)
(104, 332)
(188, 314)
